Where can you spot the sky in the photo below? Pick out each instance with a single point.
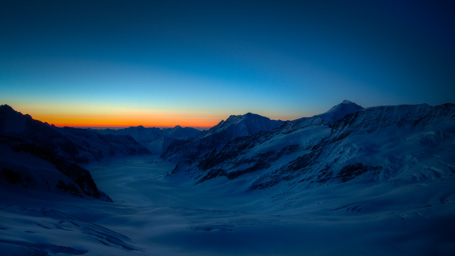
(193, 63)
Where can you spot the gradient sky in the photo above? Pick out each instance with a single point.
(194, 63)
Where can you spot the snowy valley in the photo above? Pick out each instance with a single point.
(351, 181)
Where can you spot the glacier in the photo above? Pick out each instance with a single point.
(351, 181)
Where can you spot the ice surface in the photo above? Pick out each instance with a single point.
(153, 214)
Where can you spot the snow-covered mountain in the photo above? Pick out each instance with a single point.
(243, 125)
(382, 144)
(345, 144)
(156, 140)
(44, 157)
(227, 130)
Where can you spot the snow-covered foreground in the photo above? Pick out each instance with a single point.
(153, 214)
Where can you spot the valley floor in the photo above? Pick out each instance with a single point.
(153, 214)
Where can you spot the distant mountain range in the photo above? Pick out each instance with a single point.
(156, 140)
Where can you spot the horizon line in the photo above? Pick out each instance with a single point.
(118, 127)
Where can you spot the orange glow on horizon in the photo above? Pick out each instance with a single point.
(108, 116)
(116, 124)
(97, 115)
(124, 118)
(122, 122)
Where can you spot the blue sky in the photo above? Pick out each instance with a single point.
(196, 62)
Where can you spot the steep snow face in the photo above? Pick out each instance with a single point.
(406, 143)
(339, 111)
(156, 140)
(372, 119)
(215, 138)
(257, 154)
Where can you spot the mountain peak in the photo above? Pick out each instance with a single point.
(248, 117)
(249, 114)
(244, 125)
(339, 111)
(12, 121)
(8, 110)
(6, 107)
